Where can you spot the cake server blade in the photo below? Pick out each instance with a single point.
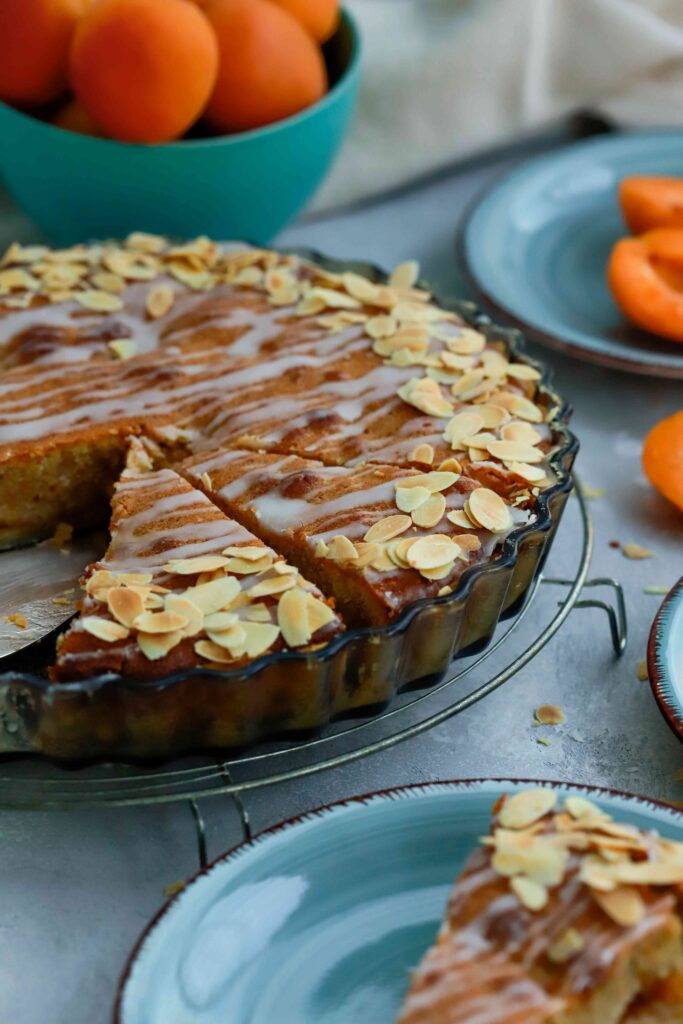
(39, 586)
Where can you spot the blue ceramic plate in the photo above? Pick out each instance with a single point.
(319, 921)
(665, 658)
(535, 249)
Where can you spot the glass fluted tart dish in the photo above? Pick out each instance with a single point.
(406, 462)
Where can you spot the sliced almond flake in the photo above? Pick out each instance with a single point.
(272, 585)
(279, 278)
(530, 894)
(311, 305)
(423, 453)
(232, 639)
(17, 253)
(159, 301)
(98, 301)
(381, 326)
(257, 612)
(443, 591)
(219, 621)
(469, 384)
(259, 637)
(432, 552)
(656, 588)
(104, 629)
(125, 605)
(624, 905)
(525, 808)
(642, 671)
(522, 371)
(566, 946)
(334, 299)
(450, 465)
(524, 408)
(157, 645)
(468, 342)
(514, 451)
(367, 553)
(532, 474)
(382, 561)
(123, 348)
(549, 714)
(250, 552)
(142, 241)
(319, 613)
(494, 363)
(480, 441)
(493, 416)
(285, 297)
(649, 872)
(430, 512)
(15, 278)
(213, 596)
(178, 605)
(579, 807)
(456, 363)
(283, 568)
(597, 874)
(248, 567)
(387, 528)
(292, 617)
(196, 280)
(160, 622)
(439, 572)
(635, 551)
(488, 509)
(212, 652)
(460, 518)
(193, 566)
(153, 602)
(105, 281)
(359, 287)
(405, 275)
(340, 549)
(424, 394)
(436, 480)
(137, 579)
(410, 498)
(248, 276)
(101, 579)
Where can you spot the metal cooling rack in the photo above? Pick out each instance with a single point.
(40, 784)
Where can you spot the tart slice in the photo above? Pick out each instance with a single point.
(181, 585)
(378, 537)
(564, 917)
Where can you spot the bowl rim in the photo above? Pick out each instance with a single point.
(341, 86)
(661, 683)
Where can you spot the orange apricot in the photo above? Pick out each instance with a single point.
(73, 117)
(663, 458)
(35, 36)
(651, 202)
(270, 67)
(645, 276)
(320, 17)
(144, 69)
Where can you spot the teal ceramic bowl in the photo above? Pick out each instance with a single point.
(244, 186)
(665, 658)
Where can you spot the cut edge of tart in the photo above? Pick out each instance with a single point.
(563, 916)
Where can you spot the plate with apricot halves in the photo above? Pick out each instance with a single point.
(583, 249)
(463, 902)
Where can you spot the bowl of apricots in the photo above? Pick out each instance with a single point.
(178, 117)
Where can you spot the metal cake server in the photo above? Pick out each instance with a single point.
(39, 586)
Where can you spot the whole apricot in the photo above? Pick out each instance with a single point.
(270, 67)
(320, 17)
(663, 458)
(35, 36)
(144, 69)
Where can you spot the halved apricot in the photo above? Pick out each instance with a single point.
(651, 202)
(645, 276)
(663, 458)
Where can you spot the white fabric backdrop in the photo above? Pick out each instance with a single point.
(443, 78)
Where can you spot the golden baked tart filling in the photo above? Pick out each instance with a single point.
(564, 916)
(384, 446)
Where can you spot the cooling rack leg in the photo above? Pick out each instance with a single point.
(200, 831)
(239, 803)
(615, 611)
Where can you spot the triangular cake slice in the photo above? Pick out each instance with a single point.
(565, 916)
(377, 537)
(182, 585)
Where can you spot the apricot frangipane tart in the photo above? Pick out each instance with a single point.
(564, 916)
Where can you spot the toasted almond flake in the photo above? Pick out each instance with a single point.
(259, 637)
(137, 579)
(580, 807)
(101, 580)
(179, 605)
(283, 568)
(624, 905)
(257, 612)
(530, 894)
(467, 342)
(462, 425)
(104, 629)
(215, 595)
(387, 528)
(649, 872)
(468, 542)
(334, 299)
(405, 275)
(250, 552)
(433, 552)
(359, 287)
(123, 348)
(212, 652)
(98, 301)
(430, 512)
(272, 585)
(193, 566)
(340, 549)
(635, 551)
(549, 714)
(522, 371)
(532, 474)
(410, 498)
(248, 567)
(566, 946)
(520, 431)
(423, 453)
(319, 613)
(514, 451)
(292, 617)
(443, 591)
(451, 465)
(125, 605)
(523, 809)
(141, 241)
(488, 509)
(424, 394)
(523, 408)
(382, 326)
(157, 645)
(439, 572)
(159, 301)
(460, 518)
(232, 639)
(437, 480)
(596, 874)
(219, 621)
(642, 671)
(160, 622)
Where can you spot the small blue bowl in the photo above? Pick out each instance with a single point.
(244, 186)
(665, 658)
